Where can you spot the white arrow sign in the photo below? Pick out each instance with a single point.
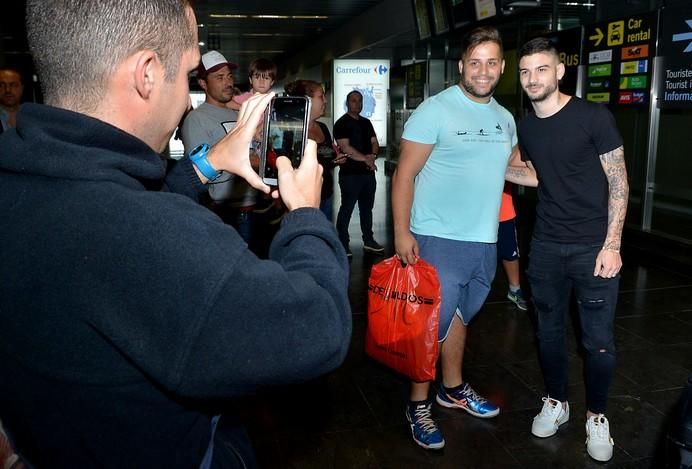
(685, 37)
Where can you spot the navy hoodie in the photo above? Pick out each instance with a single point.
(126, 308)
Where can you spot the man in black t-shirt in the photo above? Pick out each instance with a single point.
(578, 155)
(356, 137)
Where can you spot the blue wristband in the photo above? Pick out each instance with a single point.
(198, 157)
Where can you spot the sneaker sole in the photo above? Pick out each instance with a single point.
(365, 248)
(451, 405)
(603, 459)
(433, 446)
(518, 305)
(548, 435)
(439, 445)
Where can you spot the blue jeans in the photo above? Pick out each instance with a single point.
(242, 221)
(326, 207)
(230, 446)
(356, 188)
(555, 269)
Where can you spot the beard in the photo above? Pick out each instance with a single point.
(222, 95)
(547, 91)
(473, 91)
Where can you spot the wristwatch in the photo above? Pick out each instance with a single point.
(198, 157)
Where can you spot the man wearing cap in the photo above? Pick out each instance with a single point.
(231, 198)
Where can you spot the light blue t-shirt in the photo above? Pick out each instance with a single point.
(458, 192)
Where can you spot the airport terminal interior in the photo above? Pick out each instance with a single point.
(354, 417)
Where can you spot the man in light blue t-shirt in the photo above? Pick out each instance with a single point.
(454, 157)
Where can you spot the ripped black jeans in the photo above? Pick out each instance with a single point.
(555, 270)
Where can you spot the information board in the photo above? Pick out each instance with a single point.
(618, 55)
(675, 89)
(371, 78)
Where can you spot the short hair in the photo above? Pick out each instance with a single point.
(78, 44)
(262, 66)
(348, 96)
(479, 35)
(13, 70)
(536, 46)
(302, 88)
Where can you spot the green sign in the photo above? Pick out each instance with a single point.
(600, 70)
(633, 83)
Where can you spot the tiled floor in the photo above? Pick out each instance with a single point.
(353, 418)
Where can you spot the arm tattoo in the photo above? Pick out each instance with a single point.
(613, 163)
(522, 175)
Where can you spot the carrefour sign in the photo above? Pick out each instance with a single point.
(371, 78)
(380, 69)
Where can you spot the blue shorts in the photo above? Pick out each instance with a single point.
(507, 245)
(466, 271)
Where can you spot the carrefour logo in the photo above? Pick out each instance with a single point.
(357, 69)
(380, 69)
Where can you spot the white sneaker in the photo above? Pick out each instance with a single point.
(552, 415)
(599, 444)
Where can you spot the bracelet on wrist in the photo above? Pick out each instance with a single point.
(611, 250)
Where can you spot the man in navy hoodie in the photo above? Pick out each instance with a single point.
(129, 314)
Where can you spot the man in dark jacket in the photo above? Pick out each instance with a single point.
(129, 313)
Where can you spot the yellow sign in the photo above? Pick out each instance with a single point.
(597, 38)
(616, 33)
(598, 97)
(628, 68)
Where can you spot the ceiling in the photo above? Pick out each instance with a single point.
(240, 39)
(249, 31)
(305, 29)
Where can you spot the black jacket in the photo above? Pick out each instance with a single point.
(126, 309)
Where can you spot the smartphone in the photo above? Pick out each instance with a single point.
(285, 133)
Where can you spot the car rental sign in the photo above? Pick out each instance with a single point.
(618, 55)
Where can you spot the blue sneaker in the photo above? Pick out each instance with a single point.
(423, 427)
(469, 400)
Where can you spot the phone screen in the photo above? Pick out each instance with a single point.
(285, 131)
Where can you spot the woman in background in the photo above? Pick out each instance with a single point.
(328, 154)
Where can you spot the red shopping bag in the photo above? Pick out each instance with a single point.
(403, 317)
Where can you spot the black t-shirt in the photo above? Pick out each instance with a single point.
(359, 132)
(573, 189)
(325, 157)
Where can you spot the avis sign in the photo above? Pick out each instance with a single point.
(619, 54)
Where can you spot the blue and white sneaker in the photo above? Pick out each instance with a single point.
(423, 427)
(469, 400)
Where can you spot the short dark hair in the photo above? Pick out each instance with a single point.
(302, 88)
(348, 96)
(536, 46)
(262, 66)
(479, 35)
(78, 44)
(13, 70)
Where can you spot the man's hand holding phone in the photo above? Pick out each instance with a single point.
(231, 152)
(301, 187)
